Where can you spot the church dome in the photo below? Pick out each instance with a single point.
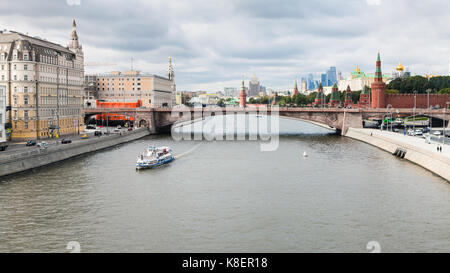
(400, 67)
(357, 69)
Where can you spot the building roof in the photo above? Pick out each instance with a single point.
(14, 36)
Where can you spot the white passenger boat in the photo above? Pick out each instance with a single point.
(154, 156)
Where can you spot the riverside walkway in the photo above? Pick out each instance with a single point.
(415, 149)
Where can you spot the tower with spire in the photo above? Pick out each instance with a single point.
(171, 76)
(242, 96)
(295, 90)
(364, 98)
(378, 87)
(335, 99)
(348, 97)
(320, 97)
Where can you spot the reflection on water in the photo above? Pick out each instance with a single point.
(228, 196)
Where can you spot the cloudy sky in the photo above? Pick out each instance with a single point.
(215, 43)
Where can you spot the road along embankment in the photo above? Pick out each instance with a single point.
(411, 148)
(36, 157)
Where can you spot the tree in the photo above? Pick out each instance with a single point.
(392, 91)
(444, 91)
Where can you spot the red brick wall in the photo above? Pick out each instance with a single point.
(407, 100)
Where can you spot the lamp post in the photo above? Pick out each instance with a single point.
(430, 119)
(414, 124)
(390, 115)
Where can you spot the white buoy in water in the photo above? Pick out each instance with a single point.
(305, 154)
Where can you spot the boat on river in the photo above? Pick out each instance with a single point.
(153, 157)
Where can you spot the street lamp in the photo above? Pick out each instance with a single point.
(430, 118)
(414, 122)
(390, 114)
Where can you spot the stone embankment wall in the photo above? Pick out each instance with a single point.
(35, 157)
(432, 161)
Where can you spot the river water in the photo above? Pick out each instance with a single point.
(228, 196)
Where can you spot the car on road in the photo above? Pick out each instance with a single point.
(418, 132)
(43, 145)
(97, 133)
(31, 143)
(66, 141)
(130, 129)
(437, 133)
(84, 136)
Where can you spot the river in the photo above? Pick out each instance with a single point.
(228, 196)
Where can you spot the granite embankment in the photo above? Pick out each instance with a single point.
(36, 157)
(411, 148)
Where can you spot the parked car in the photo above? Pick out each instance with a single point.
(84, 136)
(43, 145)
(31, 143)
(130, 129)
(66, 141)
(97, 133)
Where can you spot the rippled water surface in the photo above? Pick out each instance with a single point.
(230, 197)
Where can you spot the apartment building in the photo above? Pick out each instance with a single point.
(44, 85)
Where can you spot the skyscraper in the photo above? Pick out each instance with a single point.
(253, 86)
(331, 76)
(324, 80)
(310, 85)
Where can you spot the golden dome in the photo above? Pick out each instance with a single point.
(357, 69)
(400, 67)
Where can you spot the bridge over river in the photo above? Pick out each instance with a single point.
(340, 119)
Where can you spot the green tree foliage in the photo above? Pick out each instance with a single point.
(392, 91)
(444, 91)
(419, 84)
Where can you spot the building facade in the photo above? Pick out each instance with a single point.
(253, 86)
(44, 83)
(3, 111)
(130, 86)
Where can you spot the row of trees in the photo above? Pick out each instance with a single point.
(301, 99)
(437, 85)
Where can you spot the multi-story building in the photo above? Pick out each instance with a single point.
(90, 91)
(44, 83)
(358, 79)
(253, 87)
(130, 86)
(230, 91)
(332, 76)
(3, 103)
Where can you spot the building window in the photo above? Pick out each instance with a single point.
(25, 57)
(3, 77)
(15, 77)
(15, 67)
(25, 114)
(25, 100)
(25, 77)
(25, 89)
(25, 67)
(15, 100)
(26, 124)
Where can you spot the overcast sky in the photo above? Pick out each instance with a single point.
(214, 43)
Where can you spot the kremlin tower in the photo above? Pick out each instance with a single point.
(320, 98)
(335, 99)
(348, 97)
(242, 96)
(364, 98)
(295, 90)
(378, 88)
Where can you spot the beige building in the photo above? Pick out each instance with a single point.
(130, 86)
(44, 83)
